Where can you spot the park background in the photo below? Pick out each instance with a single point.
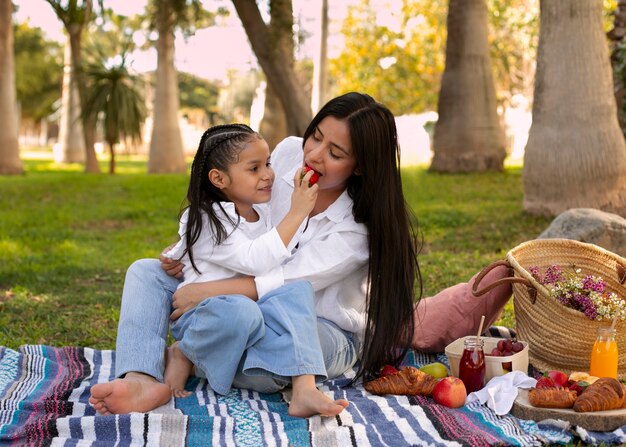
(509, 112)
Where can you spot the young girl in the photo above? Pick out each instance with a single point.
(225, 233)
(356, 249)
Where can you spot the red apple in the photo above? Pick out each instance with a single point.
(450, 392)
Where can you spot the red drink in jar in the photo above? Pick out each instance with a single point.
(472, 366)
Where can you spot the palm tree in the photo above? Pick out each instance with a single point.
(76, 15)
(166, 144)
(10, 162)
(468, 135)
(116, 102)
(576, 155)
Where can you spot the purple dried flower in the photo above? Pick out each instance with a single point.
(534, 271)
(553, 274)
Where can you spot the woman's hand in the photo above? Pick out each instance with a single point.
(171, 266)
(187, 297)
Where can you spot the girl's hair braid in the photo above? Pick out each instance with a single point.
(219, 147)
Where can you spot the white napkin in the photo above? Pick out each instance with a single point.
(501, 391)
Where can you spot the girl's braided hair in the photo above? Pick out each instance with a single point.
(219, 148)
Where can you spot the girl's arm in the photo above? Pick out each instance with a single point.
(189, 296)
(260, 255)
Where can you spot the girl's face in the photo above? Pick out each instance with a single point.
(329, 151)
(249, 180)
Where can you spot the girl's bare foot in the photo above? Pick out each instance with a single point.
(307, 400)
(135, 392)
(177, 371)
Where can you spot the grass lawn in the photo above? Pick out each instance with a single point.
(66, 239)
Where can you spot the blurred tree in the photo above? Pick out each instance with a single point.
(617, 37)
(198, 93)
(319, 90)
(38, 68)
(116, 102)
(397, 57)
(513, 35)
(468, 135)
(166, 145)
(275, 60)
(576, 154)
(10, 162)
(75, 16)
(273, 126)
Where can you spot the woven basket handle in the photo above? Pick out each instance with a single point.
(502, 281)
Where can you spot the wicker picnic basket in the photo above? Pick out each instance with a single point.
(559, 337)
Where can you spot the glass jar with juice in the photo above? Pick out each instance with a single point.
(604, 354)
(472, 365)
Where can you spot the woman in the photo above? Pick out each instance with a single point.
(356, 249)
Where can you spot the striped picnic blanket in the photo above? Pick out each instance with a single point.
(44, 392)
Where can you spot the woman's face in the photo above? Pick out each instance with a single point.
(329, 151)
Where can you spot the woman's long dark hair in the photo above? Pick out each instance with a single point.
(219, 147)
(379, 204)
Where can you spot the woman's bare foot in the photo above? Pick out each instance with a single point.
(307, 400)
(135, 392)
(177, 371)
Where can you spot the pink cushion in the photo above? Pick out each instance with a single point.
(455, 312)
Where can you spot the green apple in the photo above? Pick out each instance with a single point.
(436, 369)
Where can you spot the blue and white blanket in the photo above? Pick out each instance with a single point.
(44, 392)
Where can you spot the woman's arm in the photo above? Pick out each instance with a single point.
(189, 296)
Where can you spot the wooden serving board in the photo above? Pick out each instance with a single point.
(594, 421)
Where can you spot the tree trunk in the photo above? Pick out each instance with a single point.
(112, 161)
(166, 144)
(10, 162)
(71, 147)
(319, 94)
(468, 135)
(273, 126)
(576, 154)
(275, 64)
(75, 31)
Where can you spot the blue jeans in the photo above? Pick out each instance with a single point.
(231, 340)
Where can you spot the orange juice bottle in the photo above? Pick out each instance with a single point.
(604, 354)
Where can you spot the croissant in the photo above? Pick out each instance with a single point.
(551, 397)
(409, 380)
(605, 393)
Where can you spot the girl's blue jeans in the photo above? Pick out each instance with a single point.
(232, 340)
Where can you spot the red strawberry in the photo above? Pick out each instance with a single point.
(314, 178)
(387, 371)
(559, 377)
(577, 387)
(545, 382)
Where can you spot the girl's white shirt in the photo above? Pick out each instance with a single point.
(332, 250)
(251, 248)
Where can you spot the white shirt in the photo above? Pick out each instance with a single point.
(332, 252)
(251, 248)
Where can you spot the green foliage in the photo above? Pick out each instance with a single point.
(198, 93)
(115, 100)
(185, 15)
(399, 62)
(38, 71)
(66, 240)
(399, 57)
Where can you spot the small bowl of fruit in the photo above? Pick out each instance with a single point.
(502, 355)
